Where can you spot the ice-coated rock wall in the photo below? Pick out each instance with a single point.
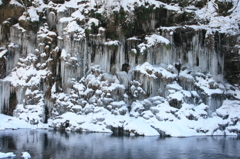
(95, 66)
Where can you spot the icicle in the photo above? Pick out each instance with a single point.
(20, 93)
(13, 57)
(57, 69)
(4, 95)
(63, 71)
(1, 33)
(66, 74)
(85, 58)
(52, 20)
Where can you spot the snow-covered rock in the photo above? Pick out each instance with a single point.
(26, 155)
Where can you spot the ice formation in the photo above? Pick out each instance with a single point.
(128, 67)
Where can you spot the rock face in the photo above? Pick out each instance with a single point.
(143, 68)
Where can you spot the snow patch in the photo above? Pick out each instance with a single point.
(33, 14)
(7, 155)
(26, 155)
(154, 71)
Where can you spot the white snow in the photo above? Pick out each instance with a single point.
(16, 3)
(93, 21)
(9, 122)
(73, 27)
(151, 70)
(78, 14)
(65, 19)
(7, 155)
(2, 53)
(33, 14)
(110, 43)
(19, 77)
(26, 155)
(151, 41)
(141, 127)
(154, 39)
(218, 22)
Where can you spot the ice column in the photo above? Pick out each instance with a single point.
(4, 95)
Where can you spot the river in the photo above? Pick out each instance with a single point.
(46, 144)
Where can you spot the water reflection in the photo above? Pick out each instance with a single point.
(44, 144)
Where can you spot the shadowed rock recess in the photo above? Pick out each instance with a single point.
(153, 67)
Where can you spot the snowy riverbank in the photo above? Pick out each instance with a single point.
(173, 122)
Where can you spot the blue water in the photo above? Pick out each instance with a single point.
(44, 144)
